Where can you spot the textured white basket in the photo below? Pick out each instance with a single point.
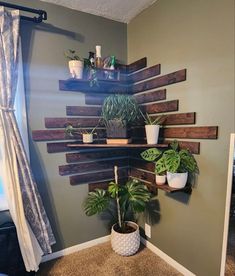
(126, 244)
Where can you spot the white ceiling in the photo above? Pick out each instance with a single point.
(118, 10)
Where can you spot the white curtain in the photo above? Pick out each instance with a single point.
(33, 228)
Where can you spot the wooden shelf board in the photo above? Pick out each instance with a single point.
(117, 145)
(169, 189)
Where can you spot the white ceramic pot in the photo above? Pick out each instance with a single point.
(152, 133)
(87, 138)
(177, 180)
(76, 68)
(160, 179)
(126, 244)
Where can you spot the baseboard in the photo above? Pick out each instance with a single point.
(167, 258)
(74, 248)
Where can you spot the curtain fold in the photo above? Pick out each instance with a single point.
(33, 228)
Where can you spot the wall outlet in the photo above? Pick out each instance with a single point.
(147, 229)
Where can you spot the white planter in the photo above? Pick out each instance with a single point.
(177, 180)
(87, 138)
(152, 133)
(76, 68)
(160, 179)
(126, 244)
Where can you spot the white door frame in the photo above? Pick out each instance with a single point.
(227, 203)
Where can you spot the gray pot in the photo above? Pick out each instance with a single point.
(117, 129)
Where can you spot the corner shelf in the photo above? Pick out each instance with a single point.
(93, 145)
(169, 189)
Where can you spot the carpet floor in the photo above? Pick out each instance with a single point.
(101, 260)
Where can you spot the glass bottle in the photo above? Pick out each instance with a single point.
(98, 59)
(92, 59)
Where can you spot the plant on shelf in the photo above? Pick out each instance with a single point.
(128, 200)
(152, 126)
(154, 155)
(87, 134)
(119, 112)
(178, 163)
(75, 64)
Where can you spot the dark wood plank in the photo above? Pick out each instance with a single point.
(168, 79)
(169, 189)
(59, 134)
(143, 74)
(161, 107)
(137, 65)
(193, 147)
(188, 118)
(75, 122)
(97, 176)
(99, 145)
(142, 175)
(142, 164)
(89, 156)
(109, 86)
(83, 111)
(95, 99)
(104, 185)
(207, 132)
(63, 147)
(152, 96)
(92, 166)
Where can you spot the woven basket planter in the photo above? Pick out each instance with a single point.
(126, 244)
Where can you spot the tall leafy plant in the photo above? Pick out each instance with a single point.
(120, 107)
(129, 198)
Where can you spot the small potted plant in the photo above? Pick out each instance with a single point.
(154, 155)
(119, 112)
(129, 199)
(179, 164)
(75, 64)
(87, 135)
(152, 127)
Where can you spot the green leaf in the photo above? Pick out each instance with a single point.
(160, 167)
(151, 154)
(96, 202)
(172, 160)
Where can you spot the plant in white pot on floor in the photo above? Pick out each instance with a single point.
(179, 163)
(87, 134)
(76, 64)
(128, 199)
(152, 127)
(154, 155)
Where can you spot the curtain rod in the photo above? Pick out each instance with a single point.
(42, 15)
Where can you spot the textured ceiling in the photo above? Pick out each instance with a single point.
(119, 10)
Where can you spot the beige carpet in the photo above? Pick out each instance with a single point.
(100, 260)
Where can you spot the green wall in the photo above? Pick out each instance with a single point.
(43, 47)
(197, 35)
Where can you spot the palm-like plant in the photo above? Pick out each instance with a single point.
(130, 198)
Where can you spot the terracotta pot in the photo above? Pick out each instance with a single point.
(126, 244)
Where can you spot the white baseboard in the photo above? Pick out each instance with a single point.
(74, 248)
(167, 258)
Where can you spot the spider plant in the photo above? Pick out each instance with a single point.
(71, 131)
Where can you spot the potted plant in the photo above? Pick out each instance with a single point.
(152, 127)
(179, 164)
(87, 135)
(129, 199)
(119, 112)
(154, 155)
(75, 64)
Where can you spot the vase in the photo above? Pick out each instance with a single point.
(76, 68)
(152, 133)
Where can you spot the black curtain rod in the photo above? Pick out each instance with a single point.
(42, 15)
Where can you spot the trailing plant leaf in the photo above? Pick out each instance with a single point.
(72, 55)
(151, 154)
